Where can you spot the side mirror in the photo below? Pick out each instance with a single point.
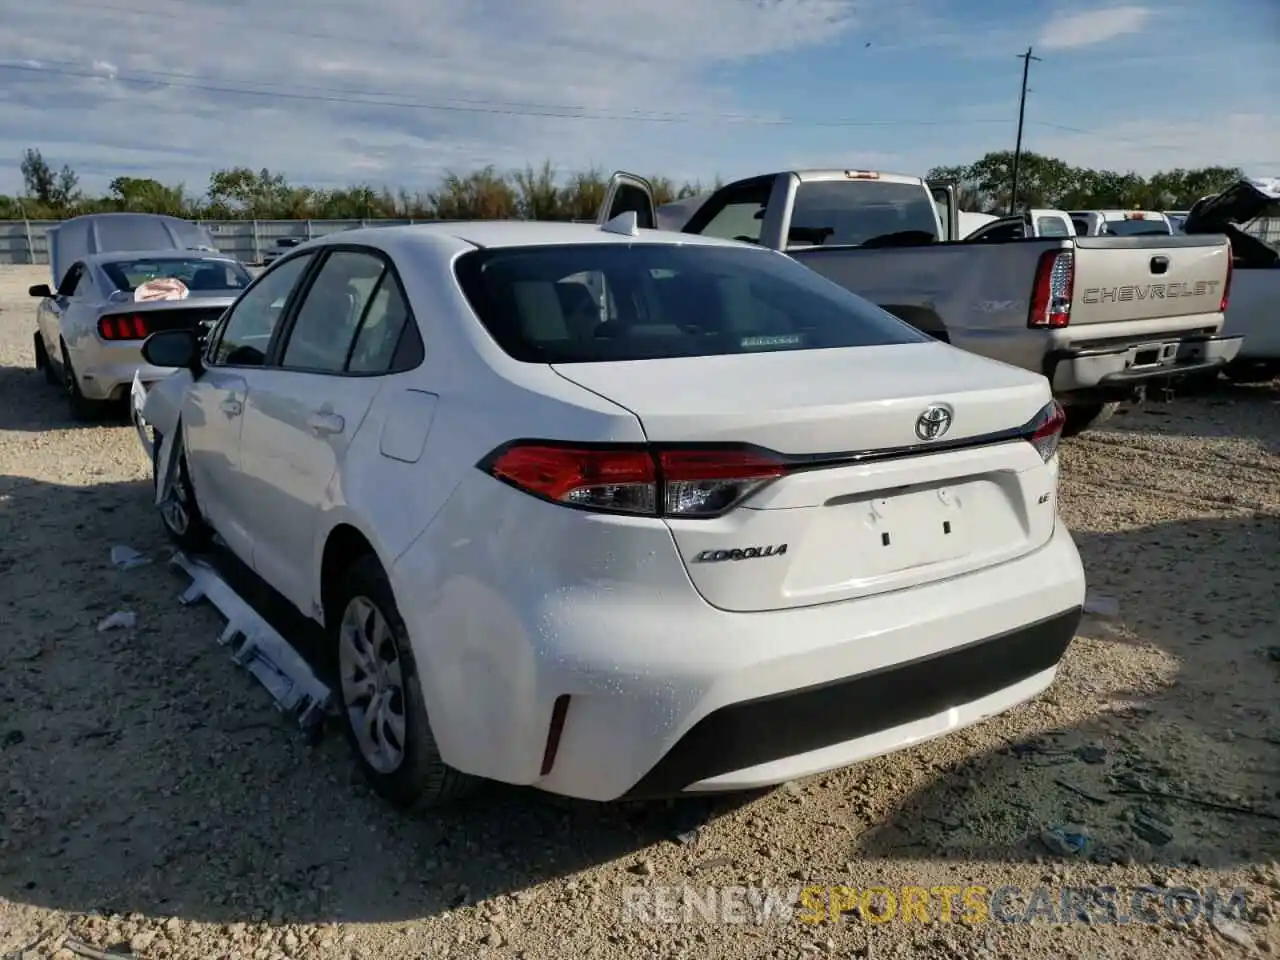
(172, 348)
(40, 290)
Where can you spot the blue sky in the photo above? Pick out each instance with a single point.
(398, 91)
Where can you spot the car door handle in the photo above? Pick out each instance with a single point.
(231, 407)
(1159, 264)
(325, 424)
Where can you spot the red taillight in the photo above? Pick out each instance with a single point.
(123, 326)
(638, 480)
(1053, 290)
(1226, 286)
(1045, 430)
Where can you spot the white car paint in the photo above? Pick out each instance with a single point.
(514, 602)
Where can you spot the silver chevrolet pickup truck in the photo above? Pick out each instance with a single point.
(1100, 317)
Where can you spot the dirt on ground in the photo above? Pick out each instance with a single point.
(153, 803)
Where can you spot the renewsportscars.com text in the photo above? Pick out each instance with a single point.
(939, 904)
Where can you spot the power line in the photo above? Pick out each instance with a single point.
(383, 99)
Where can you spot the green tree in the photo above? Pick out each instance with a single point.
(541, 193)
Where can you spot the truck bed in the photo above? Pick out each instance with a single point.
(1141, 307)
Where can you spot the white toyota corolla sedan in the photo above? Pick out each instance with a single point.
(617, 512)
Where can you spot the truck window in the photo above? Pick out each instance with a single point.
(999, 232)
(1081, 225)
(735, 212)
(1051, 227)
(854, 212)
(1136, 228)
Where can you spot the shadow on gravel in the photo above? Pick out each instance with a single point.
(1218, 409)
(1209, 734)
(30, 405)
(141, 771)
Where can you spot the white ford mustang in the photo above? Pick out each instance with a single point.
(621, 513)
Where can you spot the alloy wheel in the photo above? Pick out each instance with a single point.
(372, 685)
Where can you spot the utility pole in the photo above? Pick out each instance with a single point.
(1026, 59)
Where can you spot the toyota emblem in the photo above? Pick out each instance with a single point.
(933, 422)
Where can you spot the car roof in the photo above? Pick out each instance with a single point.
(468, 234)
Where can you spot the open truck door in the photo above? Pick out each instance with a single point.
(944, 198)
(628, 193)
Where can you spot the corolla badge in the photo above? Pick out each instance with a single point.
(933, 422)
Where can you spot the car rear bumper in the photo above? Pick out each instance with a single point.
(1125, 366)
(667, 694)
(108, 372)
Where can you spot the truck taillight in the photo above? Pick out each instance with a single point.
(646, 481)
(1054, 286)
(1045, 430)
(122, 326)
(1226, 285)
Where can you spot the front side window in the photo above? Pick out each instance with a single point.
(610, 302)
(246, 332)
(329, 318)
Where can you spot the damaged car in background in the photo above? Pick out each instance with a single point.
(1240, 211)
(615, 513)
(117, 278)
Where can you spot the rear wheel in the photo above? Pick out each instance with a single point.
(1083, 416)
(82, 408)
(42, 362)
(386, 716)
(179, 511)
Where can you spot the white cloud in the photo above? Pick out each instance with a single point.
(396, 92)
(399, 90)
(1088, 27)
(1248, 140)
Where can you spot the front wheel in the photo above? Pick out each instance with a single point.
(179, 511)
(1083, 416)
(385, 714)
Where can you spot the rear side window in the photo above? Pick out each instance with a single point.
(609, 302)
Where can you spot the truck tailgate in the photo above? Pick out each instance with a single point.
(1145, 278)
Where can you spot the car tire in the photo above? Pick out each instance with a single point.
(1084, 416)
(82, 408)
(42, 362)
(377, 671)
(179, 512)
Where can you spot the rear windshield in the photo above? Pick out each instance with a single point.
(599, 302)
(1135, 228)
(198, 273)
(833, 213)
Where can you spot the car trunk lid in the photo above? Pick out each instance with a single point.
(1243, 201)
(83, 236)
(866, 506)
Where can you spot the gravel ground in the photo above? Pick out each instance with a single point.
(154, 802)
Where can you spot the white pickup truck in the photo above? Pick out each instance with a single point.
(1099, 317)
(1254, 311)
(1121, 223)
(1031, 223)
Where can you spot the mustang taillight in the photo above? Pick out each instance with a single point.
(1045, 430)
(1053, 290)
(649, 481)
(123, 326)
